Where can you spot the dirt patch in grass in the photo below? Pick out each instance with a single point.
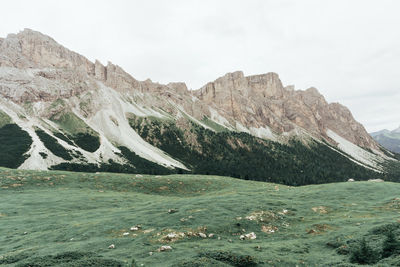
(319, 229)
(393, 204)
(262, 216)
(320, 209)
(16, 185)
(171, 235)
(269, 229)
(162, 188)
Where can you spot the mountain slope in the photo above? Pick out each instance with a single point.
(388, 139)
(80, 115)
(259, 100)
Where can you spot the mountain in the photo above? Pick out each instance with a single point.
(59, 110)
(388, 139)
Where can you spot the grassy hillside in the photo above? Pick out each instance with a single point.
(52, 218)
(4, 119)
(78, 131)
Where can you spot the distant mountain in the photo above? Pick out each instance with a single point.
(58, 110)
(388, 139)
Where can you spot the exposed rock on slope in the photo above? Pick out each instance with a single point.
(261, 100)
(45, 86)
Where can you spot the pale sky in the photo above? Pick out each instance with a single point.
(348, 49)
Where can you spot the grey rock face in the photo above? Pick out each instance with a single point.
(34, 67)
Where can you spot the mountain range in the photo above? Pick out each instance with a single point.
(58, 110)
(388, 139)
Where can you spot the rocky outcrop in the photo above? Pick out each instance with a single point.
(179, 87)
(31, 49)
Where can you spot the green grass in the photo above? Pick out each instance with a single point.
(78, 131)
(71, 123)
(4, 119)
(70, 219)
(214, 125)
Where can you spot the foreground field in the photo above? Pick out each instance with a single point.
(71, 219)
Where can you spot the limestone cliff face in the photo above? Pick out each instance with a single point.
(35, 68)
(262, 100)
(31, 49)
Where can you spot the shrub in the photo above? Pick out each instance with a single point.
(230, 258)
(391, 245)
(71, 259)
(86, 141)
(364, 254)
(63, 137)
(201, 262)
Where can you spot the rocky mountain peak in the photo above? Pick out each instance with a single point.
(290, 88)
(266, 85)
(263, 85)
(28, 35)
(179, 87)
(313, 91)
(32, 49)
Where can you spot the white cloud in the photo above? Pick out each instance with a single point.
(349, 50)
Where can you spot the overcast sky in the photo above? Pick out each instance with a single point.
(348, 49)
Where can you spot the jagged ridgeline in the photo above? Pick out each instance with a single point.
(61, 111)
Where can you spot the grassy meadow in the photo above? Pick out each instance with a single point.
(54, 218)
